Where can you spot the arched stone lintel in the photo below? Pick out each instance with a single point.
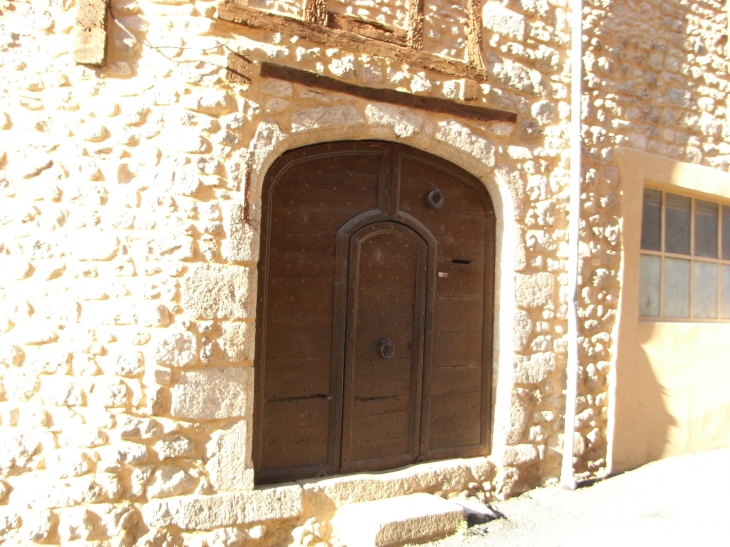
(450, 140)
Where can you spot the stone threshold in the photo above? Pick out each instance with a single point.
(318, 498)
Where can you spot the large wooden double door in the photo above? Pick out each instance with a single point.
(374, 323)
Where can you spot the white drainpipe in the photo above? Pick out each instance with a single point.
(567, 473)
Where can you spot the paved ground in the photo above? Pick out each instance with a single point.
(682, 501)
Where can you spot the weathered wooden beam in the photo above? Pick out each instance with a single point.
(368, 29)
(390, 96)
(251, 17)
(90, 32)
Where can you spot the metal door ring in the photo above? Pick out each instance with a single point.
(436, 199)
(387, 349)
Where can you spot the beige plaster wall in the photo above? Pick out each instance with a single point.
(670, 381)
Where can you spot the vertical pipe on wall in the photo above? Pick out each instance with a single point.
(567, 473)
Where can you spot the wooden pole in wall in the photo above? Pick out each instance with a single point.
(90, 32)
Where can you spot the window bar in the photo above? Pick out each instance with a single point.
(691, 258)
(662, 233)
(718, 303)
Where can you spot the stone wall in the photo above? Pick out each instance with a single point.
(129, 211)
(656, 80)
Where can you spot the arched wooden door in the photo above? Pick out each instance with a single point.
(375, 312)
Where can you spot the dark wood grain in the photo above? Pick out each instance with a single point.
(351, 253)
(390, 96)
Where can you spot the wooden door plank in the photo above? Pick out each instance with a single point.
(301, 298)
(385, 301)
(287, 338)
(286, 378)
(458, 314)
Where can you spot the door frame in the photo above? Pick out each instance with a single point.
(388, 209)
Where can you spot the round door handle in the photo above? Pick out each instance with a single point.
(387, 349)
(436, 199)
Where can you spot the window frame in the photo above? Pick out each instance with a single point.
(691, 257)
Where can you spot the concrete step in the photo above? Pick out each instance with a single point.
(395, 521)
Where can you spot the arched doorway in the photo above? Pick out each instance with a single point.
(375, 312)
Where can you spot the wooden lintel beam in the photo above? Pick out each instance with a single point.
(90, 32)
(237, 65)
(352, 41)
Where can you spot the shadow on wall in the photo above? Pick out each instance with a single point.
(641, 419)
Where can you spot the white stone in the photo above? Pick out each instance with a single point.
(419, 83)
(132, 427)
(169, 480)
(241, 243)
(224, 463)
(404, 122)
(213, 291)
(464, 139)
(503, 21)
(543, 112)
(75, 523)
(533, 369)
(325, 116)
(237, 341)
(519, 77)
(206, 512)
(127, 363)
(276, 106)
(174, 447)
(91, 245)
(124, 452)
(108, 392)
(37, 526)
(264, 144)
(394, 521)
(213, 394)
(212, 101)
(279, 88)
(522, 330)
(534, 290)
(518, 420)
(177, 349)
(520, 455)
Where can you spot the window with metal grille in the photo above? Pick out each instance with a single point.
(685, 258)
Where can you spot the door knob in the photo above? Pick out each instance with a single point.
(387, 349)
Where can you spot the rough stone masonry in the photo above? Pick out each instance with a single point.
(130, 198)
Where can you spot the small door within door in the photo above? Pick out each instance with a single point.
(384, 347)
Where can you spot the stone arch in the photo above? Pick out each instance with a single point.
(450, 140)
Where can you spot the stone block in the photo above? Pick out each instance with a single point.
(325, 116)
(176, 446)
(213, 291)
(241, 243)
(213, 393)
(91, 245)
(394, 521)
(209, 101)
(206, 512)
(520, 454)
(237, 341)
(169, 480)
(503, 21)
(447, 477)
(228, 460)
(534, 290)
(533, 369)
(461, 137)
(177, 349)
